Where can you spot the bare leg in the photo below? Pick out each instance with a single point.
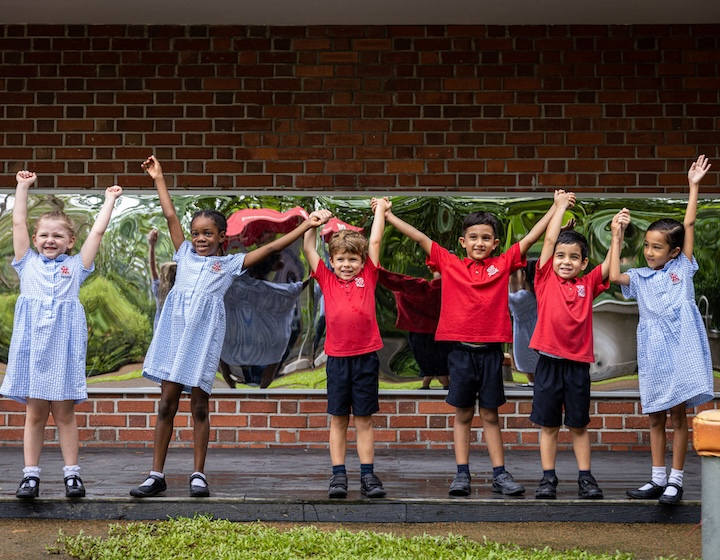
(199, 405)
(365, 438)
(169, 401)
(657, 438)
(36, 417)
(338, 439)
(493, 436)
(548, 446)
(678, 418)
(64, 414)
(581, 447)
(461, 434)
(444, 380)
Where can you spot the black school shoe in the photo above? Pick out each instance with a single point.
(668, 500)
(652, 493)
(460, 485)
(371, 487)
(199, 491)
(148, 490)
(588, 488)
(547, 489)
(338, 486)
(74, 487)
(504, 483)
(27, 491)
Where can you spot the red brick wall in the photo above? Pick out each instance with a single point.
(604, 109)
(300, 420)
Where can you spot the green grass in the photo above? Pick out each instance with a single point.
(206, 539)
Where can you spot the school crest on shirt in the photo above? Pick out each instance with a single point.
(216, 267)
(581, 290)
(360, 282)
(65, 271)
(492, 270)
(674, 278)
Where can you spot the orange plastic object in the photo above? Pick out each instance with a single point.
(706, 433)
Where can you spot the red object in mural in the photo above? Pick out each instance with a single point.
(251, 224)
(333, 226)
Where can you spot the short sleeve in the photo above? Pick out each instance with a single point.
(515, 258)
(630, 291)
(19, 266)
(182, 251)
(237, 261)
(686, 265)
(84, 272)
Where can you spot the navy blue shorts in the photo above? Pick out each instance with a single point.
(352, 385)
(431, 356)
(476, 375)
(561, 384)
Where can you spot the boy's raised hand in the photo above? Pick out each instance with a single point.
(152, 166)
(698, 170)
(25, 178)
(620, 222)
(383, 202)
(319, 217)
(113, 192)
(564, 199)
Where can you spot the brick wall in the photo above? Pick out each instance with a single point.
(604, 109)
(277, 419)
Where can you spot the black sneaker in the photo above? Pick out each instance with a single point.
(74, 487)
(371, 487)
(460, 485)
(338, 486)
(504, 483)
(547, 490)
(588, 488)
(148, 490)
(27, 490)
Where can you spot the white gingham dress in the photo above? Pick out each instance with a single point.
(49, 341)
(674, 364)
(188, 339)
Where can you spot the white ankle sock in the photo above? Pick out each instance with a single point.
(659, 477)
(69, 470)
(201, 482)
(676, 477)
(32, 471)
(150, 481)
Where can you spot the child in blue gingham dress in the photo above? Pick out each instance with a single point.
(185, 350)
(674, 364)
(46, 361)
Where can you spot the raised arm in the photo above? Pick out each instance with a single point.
(409, 231)
(152, 241)
(697, 171)
(315, 220)
(619, 224)
(92, 243)
(21, 237)
(537, 230)
(380, 206)
(152, 166)
(563, 201)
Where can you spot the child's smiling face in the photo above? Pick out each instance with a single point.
(657, 250)
(52, 238)
(346, 265)
(568, 261)
(479, 241)
(206, 238)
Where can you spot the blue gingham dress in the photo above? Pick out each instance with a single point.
(186, 345)
(49, 341)
(674, 364)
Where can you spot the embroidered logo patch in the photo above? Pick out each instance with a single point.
(492, 270)
(360, 282)
(674, 278)
(216, 267)
(581, 290)
(64, 271)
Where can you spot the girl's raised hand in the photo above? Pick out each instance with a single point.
(25, 178)
(319, 217)
(152, 237)
(698, 170)
(152, 166)
(620, 222)
(113, 192)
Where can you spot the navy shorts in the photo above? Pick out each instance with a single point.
(431, 356)
(476, 375)
(352, 385)
(561, 384)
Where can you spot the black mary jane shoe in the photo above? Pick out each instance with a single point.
(650, 494)
(199, 491)
(27, 491)
(74, 487)
(672, 500)
(157, 486)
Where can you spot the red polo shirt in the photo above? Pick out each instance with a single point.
(564, 325)
(417, 301)
(475, 295)
(352, 328)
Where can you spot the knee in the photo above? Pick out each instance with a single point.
(657, 421)
(363, 423)
(200, 412)
(678, 420)
(167, 409)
